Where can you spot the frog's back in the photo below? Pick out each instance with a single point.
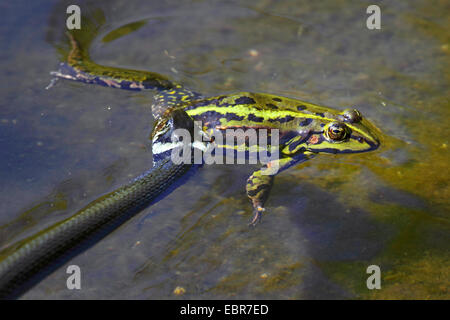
(256, 110)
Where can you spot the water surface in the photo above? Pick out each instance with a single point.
(327, 220)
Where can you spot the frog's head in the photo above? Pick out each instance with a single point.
(345, 132)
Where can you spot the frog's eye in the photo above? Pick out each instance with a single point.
(336, 131)
(351, 116)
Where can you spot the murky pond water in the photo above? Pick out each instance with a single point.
(327, 220)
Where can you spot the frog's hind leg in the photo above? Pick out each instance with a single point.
(260, 182)
(166, 99)
(78, 66)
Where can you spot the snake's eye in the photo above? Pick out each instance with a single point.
(351, 116)
(336, 131)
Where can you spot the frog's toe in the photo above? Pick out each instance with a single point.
(257, 215)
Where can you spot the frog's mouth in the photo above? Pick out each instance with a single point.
(354, 144)
(367, 144)
(370, 134)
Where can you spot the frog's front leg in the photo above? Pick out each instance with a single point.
(261, 181)
(258, 189)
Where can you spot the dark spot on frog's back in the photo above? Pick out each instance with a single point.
(276, 99)
(320, 114)
(231, 116)
(282, 120)
(202, 103)
(301, 107)
(244, 100)
(305, 122)
(252, 117)
(271, 106)
(214, 115)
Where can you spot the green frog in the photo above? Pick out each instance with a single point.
(305, 129)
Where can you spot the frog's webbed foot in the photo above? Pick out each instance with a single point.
(257, 215)
(260, 182)
(258, 189)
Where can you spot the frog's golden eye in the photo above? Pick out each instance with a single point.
(351, 116)
(336, 131)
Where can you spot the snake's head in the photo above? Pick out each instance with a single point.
(175, 130)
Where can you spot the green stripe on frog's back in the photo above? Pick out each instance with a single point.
(258, 111)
